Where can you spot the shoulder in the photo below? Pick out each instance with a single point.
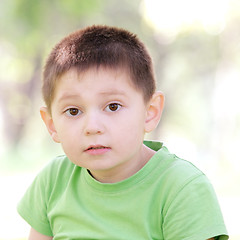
(52, 178)
(177, 177)
(175, 168)
(54, 174)
(169, 169)
(60, 161)
(59, 165)
(190, 206)
(49, 183)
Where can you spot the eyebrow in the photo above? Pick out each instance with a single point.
(67, 96)
(110, 93)
(113, 92)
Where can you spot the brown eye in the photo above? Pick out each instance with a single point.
(73, 112)
(113, 107)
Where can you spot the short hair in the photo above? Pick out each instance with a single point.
(96, 46)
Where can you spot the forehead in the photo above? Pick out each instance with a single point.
(97, 76)
(102, 80)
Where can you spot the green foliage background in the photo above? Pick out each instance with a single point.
(197, 71)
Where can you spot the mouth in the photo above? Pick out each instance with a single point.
(97, 149)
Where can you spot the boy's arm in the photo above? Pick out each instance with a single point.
(34, 235)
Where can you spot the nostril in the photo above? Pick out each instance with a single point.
(92, 132)
(93, 125)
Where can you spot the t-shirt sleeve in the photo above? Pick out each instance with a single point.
(193, 213)
(33, 206)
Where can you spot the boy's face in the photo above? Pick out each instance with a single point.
(100, 120)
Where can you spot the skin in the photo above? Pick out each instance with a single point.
(34, 235)
(100, 119)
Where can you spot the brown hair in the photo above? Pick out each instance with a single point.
(99, 46)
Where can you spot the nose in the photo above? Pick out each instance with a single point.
(93, 124)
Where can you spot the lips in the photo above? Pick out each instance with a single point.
(97, 149)
(92, 147)
(100, 147)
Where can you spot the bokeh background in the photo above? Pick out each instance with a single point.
(195, 46)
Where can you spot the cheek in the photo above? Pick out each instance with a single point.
(137, 120)
(69, 136)
(132, 126)
(72, 149)
(66, 128)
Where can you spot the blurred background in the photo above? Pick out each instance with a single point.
(195, 47)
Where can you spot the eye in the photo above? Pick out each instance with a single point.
(113, 107)
(73, 112)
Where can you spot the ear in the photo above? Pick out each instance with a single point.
(47, 118)
(154, 111)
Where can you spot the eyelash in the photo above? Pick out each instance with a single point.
(68, 112)
(113, 105)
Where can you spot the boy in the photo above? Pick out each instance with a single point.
(99, 90)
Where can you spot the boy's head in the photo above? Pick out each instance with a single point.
(99, 46)
(100, 94)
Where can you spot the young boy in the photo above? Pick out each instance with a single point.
(99, 90)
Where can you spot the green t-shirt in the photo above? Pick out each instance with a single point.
(168, 198)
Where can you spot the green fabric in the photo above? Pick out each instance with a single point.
(168, 198)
